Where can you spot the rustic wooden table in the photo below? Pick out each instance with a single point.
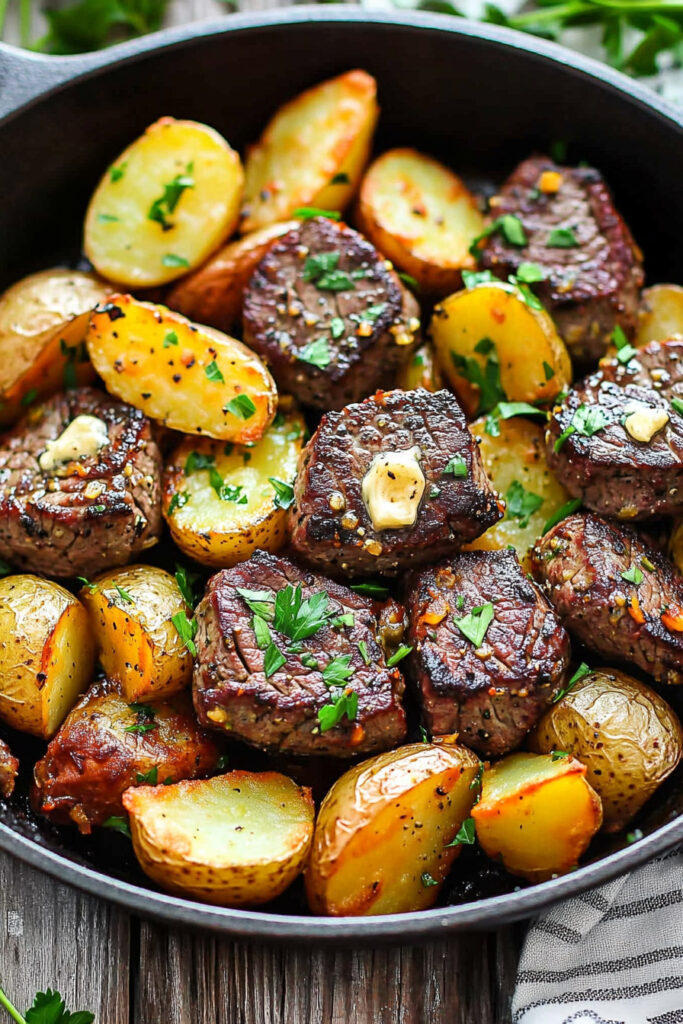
(130, 971)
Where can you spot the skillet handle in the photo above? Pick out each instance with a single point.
(25, 75)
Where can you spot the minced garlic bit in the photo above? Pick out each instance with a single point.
(84, 436)
(393, 487)
(550, 181)
(642, 422)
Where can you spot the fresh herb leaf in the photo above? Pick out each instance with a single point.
(409, 280)
(334, 281)
(466, 835)
(582, 671)
(92, 24)
(399, 654)
(369, 315)
(144, 718)
(471, 278)
(509, 226)
(562, 238)
(376, 590)
(363, 651)
(455, 466)
(487, 379)
(347, 619)
(558, 755)
(234, 493)
(118, 824)
(521, 504)
(260, 602)
(213, 373)
(107, 218)
(336, 327)
(633, 575)
(505, 411)
(197, 461)
(170, 338)
(340, 179)
(427, 879)
(320, 263)
(169, 199)
(123, 594)
(330, 715)
(587, 421)
(309, 661)
(299, 619)
(186, 581)
(171, 259)
(634, 836)
(148, 778)
(92, 587)
(625, 351)
(548, 371)
(647, 564)
(187, 630)
(261, 632)
(475, 624)
(178, 500)
(241, 406)
(308, 212)
(284, 492)
(29, 397)
(338, 671)
(567, 509)
(116, 173)
(317, 353)
(273, 660)
(530, 273)
(677, 405)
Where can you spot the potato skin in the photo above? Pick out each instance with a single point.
(660, 314)
(421, 216)
(214, 293)
(235, 840)
(180, 374)
(626, 734)
(94, 757)
(47, 653)
(525, 340)
(138, 646)
(43, 319)
(384, 824)
(312, 152)
(221, 533)
(131, 244)
(537, 814)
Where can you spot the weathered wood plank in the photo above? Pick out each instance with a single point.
(54, 937)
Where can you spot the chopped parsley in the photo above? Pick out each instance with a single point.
(308, 212)
(509, 226)
(178, 500)
(471, 278)
(261, 632)
(347, 619)
(505, 411)
(116, 173)
(234, 493)
(169, 199)
(521, 504)
(465, 836)
(530, 273)
(198, 461)
(118, 824)
(409, 280)
(376, 590)
(319, 264)
(171, 259)
(565, 510)
(633, 837)
(677, 405)
(330, 715)
(284, 492)
(260, 602)
(149, 778)
(558, 755)
(213, 372)
(273, 660)
(144, 718)
(340, 179)
(647, 564)
(336, 327)
(487, 379)
(334, 281)
(455, 466)
(123, 594)
(92, 587)
(587, 421)
(187, 630)
(29, 397)
(562, 238)
(170, 338)
(633, 575)
(548, 371)
(625, 351)
(107, 218)
(317, 353)
(186, 581)
(241, 406)
(582, 671)
(475, 624)
(338, 671)
(309, 661)
(363, 651)
(370, 314)
(399, 654)
(427, 879)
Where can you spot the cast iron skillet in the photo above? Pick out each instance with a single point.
(479, 97)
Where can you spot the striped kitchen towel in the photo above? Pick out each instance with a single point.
(610, 956)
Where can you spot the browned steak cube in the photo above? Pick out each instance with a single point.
(329, 315)
(616, 440)
(488, 651)
(391, 482)
(574, 233)
(290, 661)
(619, 596)
(80, 485)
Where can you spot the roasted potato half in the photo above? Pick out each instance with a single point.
(383, 839)
(221, 502)
(537, 813)
(190, 378)
(47, 653)
(421, 216)
(235, 840)
(169, 200)
(492, 345)
(107, 745)
(660, 314)
(676, 544)
(515, 463)
(131, 617)
(626, 735)
(9, 769)
(43, 319)
(214, 294)
(312, 152)
(421, 371)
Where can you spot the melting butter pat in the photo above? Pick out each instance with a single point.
(643, 422)
(393, 487)
(84, 436)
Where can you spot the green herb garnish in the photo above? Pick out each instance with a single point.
(521, 504)
(241, 406)
(475, 624)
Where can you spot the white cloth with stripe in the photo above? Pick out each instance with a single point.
(610, 956)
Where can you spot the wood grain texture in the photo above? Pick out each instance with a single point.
(132, 972)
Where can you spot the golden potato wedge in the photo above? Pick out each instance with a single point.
(626, 735)
(43, 319)
(169, 201)
(47, 653)
(421, 216)
(537, 813)
(106, 745)
(421, 371)
(214, 294)
(382, 842)
(660, 314)
(131, 612)
(516, 465)
(676, 544)
(237, 839)
(312, 152)
(493, 346)
(221, 502)
(190, 378)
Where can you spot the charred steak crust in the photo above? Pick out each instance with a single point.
(330, 524)
(9, 769)
(491, 695)
(580, 564)
(232, 692)
(358, 315)
(592, 286)
(611, 471)
(86, 515)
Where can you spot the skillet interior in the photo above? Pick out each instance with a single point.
(478, 98)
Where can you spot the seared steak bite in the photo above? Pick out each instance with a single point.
(574, 233)
(393, 481)
(79, 485)
(620, 597)
(488, 651)
(616, 441)
(329, 315)
(289, 661)
(9, 767)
